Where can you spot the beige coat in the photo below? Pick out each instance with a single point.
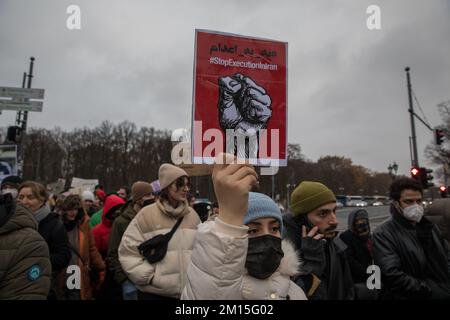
(217, 270)
(168, 276)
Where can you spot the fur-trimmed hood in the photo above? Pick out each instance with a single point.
(291, 263)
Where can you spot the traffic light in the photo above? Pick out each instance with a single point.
(426, 178)
(444, 191)
(415, 173)
(439, 135)
(13, 134)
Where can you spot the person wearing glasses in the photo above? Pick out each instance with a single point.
(164, 279)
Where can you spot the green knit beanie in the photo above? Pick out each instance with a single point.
(309, 196)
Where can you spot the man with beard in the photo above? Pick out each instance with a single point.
(311, 226)
(409, 249)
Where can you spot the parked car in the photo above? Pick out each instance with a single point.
(357, 203)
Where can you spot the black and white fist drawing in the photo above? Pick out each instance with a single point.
(244, 107)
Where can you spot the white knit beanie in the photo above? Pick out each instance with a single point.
(87, 195)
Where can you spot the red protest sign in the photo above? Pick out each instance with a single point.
(240, 92)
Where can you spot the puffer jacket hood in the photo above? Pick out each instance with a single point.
(102, 231)
(23, 218)
(112, 202)
(291, 262)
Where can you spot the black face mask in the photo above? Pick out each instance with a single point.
(362, 228)
(148, 202)
(263, 256)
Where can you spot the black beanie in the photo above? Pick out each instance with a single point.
(13, 181)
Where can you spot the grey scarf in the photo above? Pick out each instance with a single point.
(42, 213)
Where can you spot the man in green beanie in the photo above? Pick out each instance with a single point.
(311, 225)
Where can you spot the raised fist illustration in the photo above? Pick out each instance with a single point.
(243, 105)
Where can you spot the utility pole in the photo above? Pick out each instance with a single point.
(20, 113)
(288, 196)
(30, 78)
(273, 187)
(446, 169)
(19, 120)
(22, 118)
(415, 158)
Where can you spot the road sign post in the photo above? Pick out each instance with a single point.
(25, 93)
(21, 105)
(23, 101)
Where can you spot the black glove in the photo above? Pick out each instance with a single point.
(313, 255)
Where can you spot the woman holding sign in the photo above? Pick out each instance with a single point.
(240, 255)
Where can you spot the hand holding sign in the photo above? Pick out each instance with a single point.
(232, 183)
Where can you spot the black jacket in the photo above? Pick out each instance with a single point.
(414, 259)
(54, 233)
(326, 273)
(359, 256)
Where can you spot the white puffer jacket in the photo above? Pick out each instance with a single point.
(168, 276)
(217, 269)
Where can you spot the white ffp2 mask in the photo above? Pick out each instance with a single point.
(413, 213)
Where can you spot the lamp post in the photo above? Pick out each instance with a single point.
(392, 168)
(288, 195)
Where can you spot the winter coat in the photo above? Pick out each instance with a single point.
(90, 259)
(118, 229)
(325, 270)
(358, 253)
(217, 269)
(25, 267)
(439, 213)
(414, 259)
(168, 276)
(96, 218)
(102, 231)
(54, 233)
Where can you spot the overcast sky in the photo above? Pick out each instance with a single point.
(133, 60)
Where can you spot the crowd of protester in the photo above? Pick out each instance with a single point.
(152, 241)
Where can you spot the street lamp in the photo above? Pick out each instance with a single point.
(392, 168)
